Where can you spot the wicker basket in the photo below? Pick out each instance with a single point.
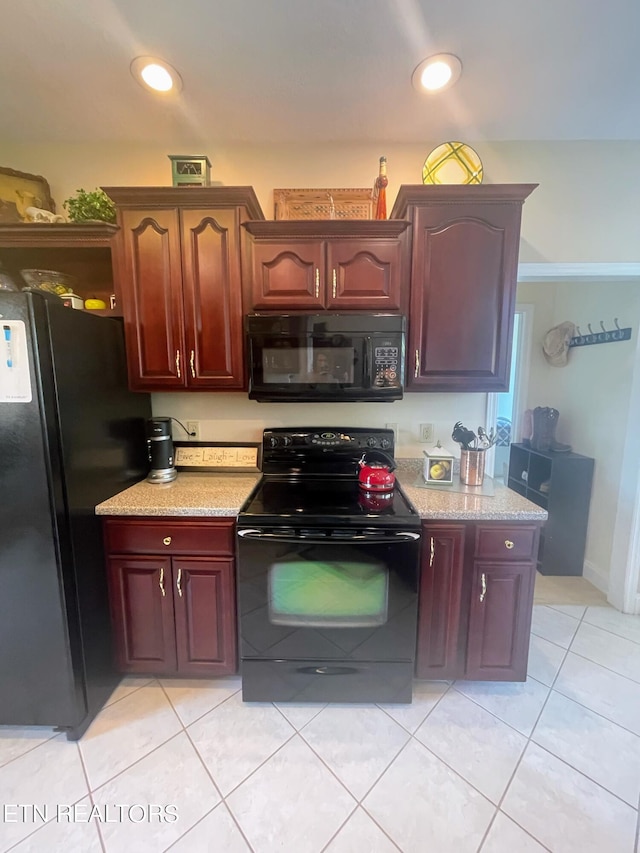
(323, 204)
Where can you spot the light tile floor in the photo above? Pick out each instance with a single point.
(552, 764)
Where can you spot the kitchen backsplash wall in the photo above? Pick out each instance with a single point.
(233, 417)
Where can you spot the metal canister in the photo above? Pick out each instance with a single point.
(472, 467)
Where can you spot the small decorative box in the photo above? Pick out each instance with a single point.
(438, 465)
(190, 170)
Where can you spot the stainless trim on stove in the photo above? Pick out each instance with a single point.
(365, 538)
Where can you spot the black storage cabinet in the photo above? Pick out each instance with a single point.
(561, 484)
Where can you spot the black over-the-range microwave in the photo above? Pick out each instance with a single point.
(301, 357)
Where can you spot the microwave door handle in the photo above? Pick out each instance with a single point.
(367, 377)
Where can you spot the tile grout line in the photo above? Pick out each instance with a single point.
(26, 752)
(519, 761)
(584, 620)
(360, 802)
(206, 769)
(42, 826)
(86, 779)
(530, 740)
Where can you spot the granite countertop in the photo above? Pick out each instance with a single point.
(204, 494)
(503, 505)
(193, 494)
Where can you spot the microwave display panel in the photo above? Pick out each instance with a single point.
(303, 365)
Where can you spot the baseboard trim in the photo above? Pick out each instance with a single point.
(593, 574)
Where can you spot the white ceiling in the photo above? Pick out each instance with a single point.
(319, 70)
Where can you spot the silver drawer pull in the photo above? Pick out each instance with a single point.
(483, 584)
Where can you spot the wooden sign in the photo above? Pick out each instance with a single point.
(217, 456)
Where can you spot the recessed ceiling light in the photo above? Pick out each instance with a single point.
(436, 73)
(156, 74)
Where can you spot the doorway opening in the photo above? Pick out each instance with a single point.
(505, 410)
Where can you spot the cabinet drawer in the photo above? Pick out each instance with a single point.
(169, 537)
(506, 543)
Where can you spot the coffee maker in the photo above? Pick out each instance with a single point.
(160, 448)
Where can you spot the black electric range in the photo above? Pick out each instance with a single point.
(328, 573)
(310, 476)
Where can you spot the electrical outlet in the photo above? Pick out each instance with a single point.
(426, 433)
(193, 428)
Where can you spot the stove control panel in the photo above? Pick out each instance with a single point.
(304, 442)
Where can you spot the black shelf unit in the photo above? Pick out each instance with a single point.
(561, 484)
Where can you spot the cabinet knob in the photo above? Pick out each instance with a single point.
(524, 476)
(167, 540)
(508, 544)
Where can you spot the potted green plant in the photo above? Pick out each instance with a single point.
(90, 207)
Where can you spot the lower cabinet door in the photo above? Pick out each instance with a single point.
(500, 621)
(204, 601)
(437, 654)
(142, 614)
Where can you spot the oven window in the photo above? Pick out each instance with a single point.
(320, 365)
(316, 593)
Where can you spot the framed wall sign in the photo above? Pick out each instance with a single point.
(222, 456)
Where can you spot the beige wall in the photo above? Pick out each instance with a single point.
(591, 392)
(585, 209)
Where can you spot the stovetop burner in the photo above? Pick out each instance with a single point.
(310, 477)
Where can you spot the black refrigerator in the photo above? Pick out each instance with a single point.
(71, 436)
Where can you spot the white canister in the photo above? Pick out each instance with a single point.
(72, 300)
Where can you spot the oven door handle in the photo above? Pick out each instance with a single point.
(356, 539)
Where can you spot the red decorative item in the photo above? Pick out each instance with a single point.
(376, 472)
(380, 191)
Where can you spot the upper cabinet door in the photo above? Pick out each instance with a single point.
(288, 274)
(148, 258)
(463, 298)
(464, 265)
(328, 264)
(212, 298)
(364, 273)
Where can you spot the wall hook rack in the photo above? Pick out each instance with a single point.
(603, 337)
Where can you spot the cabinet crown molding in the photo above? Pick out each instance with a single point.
(186, 197)
(421, 194)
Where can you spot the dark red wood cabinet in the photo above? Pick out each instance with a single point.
(464, 264)
(334, 265)
(439, 601)
(172, 595)
(476, 599)
(178, 261)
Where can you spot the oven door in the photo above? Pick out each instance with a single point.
(327, 602)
